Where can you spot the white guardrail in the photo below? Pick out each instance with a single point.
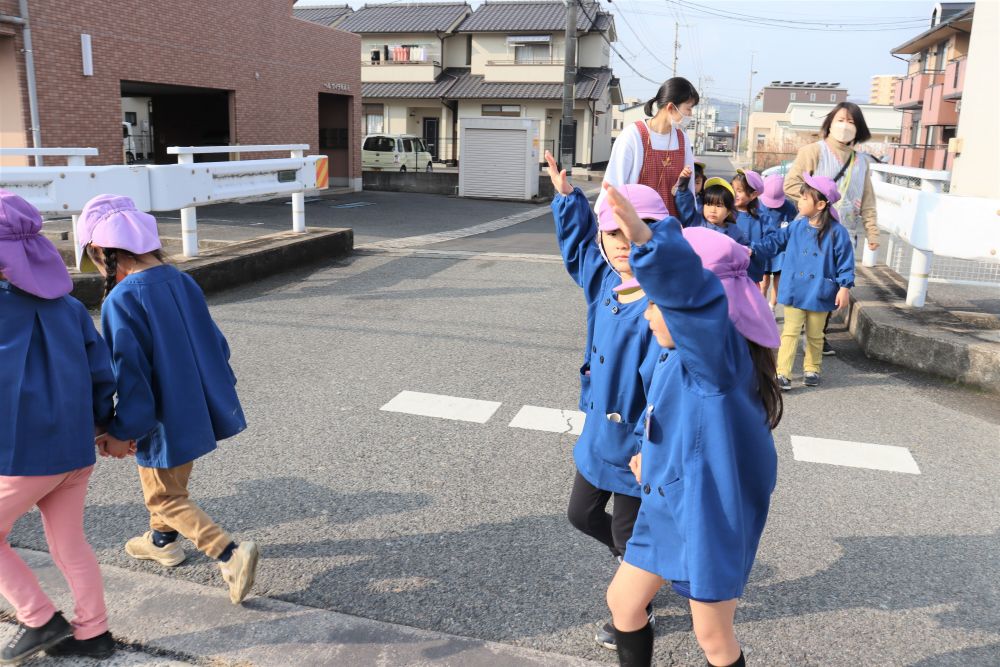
(912, 207)
(185, 185)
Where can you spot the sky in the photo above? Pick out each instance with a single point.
(788, 39)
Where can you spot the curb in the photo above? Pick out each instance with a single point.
(929, 339)
(243, 262)
(178, 619)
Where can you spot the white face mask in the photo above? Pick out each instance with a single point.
(682, 122)
(843, 131)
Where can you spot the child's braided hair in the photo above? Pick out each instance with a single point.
(110, 262)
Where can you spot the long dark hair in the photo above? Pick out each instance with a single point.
(861, 134)
(676, 91)
(765, 368)
(719, 195)
(825, 216)
(108, 258)
(752, 204)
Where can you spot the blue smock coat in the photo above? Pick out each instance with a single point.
(621, 352)
(692, 216)
(708, 459)
(56, 384)
(176, 390)
(777, 218)
(812, 272)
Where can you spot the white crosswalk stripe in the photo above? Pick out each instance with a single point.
(549, 419)
(854, 454)
(442, 407)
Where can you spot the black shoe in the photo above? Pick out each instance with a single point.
(810, 379)
(29, 641)
(784, 384)
(606, 633)
(99, 647)
(827, 350)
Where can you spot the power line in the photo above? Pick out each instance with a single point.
(641, 43)
(825, 22)
(593, 22)
(772, 23)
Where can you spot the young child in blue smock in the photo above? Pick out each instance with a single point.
(176, 391)
(777, 212)
(747, 185)
(818, 273)
(56, 391)
(617, 366)
(708, 464)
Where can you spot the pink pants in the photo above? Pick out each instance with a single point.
(60, 499)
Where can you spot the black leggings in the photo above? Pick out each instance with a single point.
(587, 513)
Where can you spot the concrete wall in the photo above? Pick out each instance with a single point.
(433, 183)
(275, 66)
(977, 168)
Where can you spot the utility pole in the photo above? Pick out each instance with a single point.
(567, 133)
(677, 44)
(749, 101)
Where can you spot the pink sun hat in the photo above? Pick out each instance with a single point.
(728, 260)
(754, 179)
(773, 195)
(28, 260)
(828, 189)
(647, 203)
(113, 221)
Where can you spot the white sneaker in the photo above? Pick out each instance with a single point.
(142, 548)
(240, 571)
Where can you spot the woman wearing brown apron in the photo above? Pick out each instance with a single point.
(655, 151)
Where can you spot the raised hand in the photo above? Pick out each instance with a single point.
(559, 180)
(635, 230)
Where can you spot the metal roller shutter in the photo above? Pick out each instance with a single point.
(493, 163)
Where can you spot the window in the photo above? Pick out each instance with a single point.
(532, 53)
(407, 145)
(761, 138)
(791, 97)
(131, 118)
(833, 97)
(502, 110)
(374, 115)
(812, 97)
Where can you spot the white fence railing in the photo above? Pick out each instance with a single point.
(913, 209)
(168, 187)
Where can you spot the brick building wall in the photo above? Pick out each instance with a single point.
(275, 65)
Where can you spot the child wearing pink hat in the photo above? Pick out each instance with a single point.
(707, 464)
(747, 186)
(818, 273)
(776, 212)
(176, 391)
(53, 359)
(618, 363)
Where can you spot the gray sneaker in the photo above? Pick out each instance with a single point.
(784, 384)
(606, 633)
(810, 380)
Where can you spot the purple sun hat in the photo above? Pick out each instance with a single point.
(28, 260)
(754, 179)
(113, 221)
(773, 195)
(828, 189)
(647, 203)
(728, 260)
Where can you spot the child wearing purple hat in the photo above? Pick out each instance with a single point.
(176, 391)
(747, 186)
(707, 464)
(818, 273)
(617, 367)
(777, 212)
(53, 359)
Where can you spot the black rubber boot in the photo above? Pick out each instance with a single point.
(740, 662)
(635, 649)
(99, 647)
(29, 641)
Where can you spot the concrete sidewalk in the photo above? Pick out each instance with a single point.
(178, 620)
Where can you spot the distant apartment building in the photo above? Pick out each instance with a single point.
(930, 95)
(776, 97)
(426, 66)
(883, 89)
(629, 111)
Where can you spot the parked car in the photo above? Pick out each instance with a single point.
(399, 152)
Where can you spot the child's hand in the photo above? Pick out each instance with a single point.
(635, 230)
(109, 445)
(873, 245)
(635, 465)
(686, 172)
(843, 298)
(559, 180)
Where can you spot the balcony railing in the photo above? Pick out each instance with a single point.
(938, 110)
(922, 156)
(954, 79)
(910, 90)
(528, 61)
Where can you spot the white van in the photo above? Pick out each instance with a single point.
(398, 152)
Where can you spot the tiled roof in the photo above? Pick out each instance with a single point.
(460, 84)
(392, 18)
(435, 89)
(323, 14)
(529, 16)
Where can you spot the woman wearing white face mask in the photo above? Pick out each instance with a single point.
(653, 152)
(836, 158)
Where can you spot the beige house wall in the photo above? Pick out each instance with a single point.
(12, 130)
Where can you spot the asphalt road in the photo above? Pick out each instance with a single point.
(460, 527)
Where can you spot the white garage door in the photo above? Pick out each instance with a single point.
(493, 163)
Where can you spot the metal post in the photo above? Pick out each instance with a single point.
(298, 205)
(29, 67)
(189, 217)
(75, 161)
(677, 44)
(746, 132)
(868, 256)
(567, 135)
(920, 265)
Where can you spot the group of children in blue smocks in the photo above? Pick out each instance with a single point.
(157, 385)
(689, 410)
